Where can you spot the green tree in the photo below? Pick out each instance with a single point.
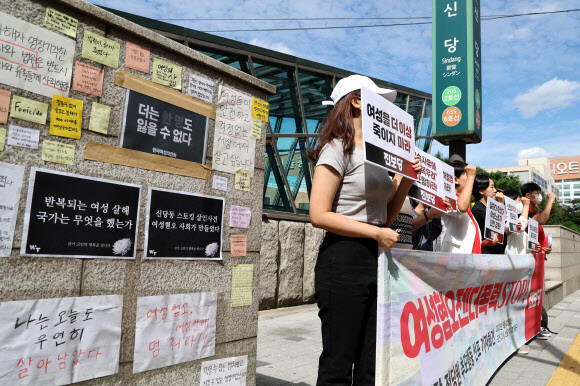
(566, 215)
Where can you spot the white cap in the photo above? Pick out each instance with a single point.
(355, 82)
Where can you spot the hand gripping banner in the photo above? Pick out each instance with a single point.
(452, 319)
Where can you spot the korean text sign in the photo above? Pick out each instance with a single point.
(452, 328)
(449, 184)
(511, 214)
(35, 59)
(11, 177)
(69, 215)
(225, 371)
(494, 220)
(60, 341)
(183, 225)
(174, 329)
(533, 233)
(157, 127)
(388, 135)
(429, 183)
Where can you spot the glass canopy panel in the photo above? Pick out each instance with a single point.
(275, 195)
(239, 62)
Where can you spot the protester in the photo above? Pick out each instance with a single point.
(426, 225)
(460, 231)
(483, 188)
(355, 203)
(517, 243)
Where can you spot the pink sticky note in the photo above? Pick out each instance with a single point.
(88, 79)
(238, 245)
(240, 216)
(137, 57)
(4, 105)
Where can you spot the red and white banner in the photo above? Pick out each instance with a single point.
(452, 319)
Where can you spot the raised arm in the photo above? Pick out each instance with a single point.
(464, 199)
(543, 217)
(401, 186)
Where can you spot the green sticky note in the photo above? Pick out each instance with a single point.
(167, 74)
(2, 138)
(29, 110)
(100, 118)
(101, 50)
(61, 22)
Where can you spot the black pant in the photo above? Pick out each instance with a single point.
(346, 291)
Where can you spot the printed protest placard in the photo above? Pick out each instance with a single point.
(100, 49)
(494, 220)
(201, 88)
(183, 225)
(66, 117)
(157, 127)
(29, 110)
(242, 180)
(533, 233)
(70, 215)
(35, 59)
(61, 22)
(99, 120)
(238, 245)
(512, 214)
(242, 279)
(167, 74)
(4, 105)
(388, 135)
(233, 145)
(58, 152)
(219, 183)
(88, 79)
(23, 137)
(137, 57)
(260, 109)
(240, 216)
(11, 177)
(174, 329)
(60, 341)
(449, 183)
(429, 185)
(226, 372)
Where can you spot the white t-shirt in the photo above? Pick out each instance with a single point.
(517, 243)
(457, 233)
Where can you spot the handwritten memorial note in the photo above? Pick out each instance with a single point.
(256, 128)
(242, 278)
(61, 22)
(101, 50)
(88, 79)
(167, 74)
(242, 180)
(4, 105)
(34, 58)
(60, 341)
(219, 183)
(240, 216)
(57, 152)
(2, 138)
(29, 110)
(238, 245)
(224, 372)
(174, 329)
(66, 117)
(23, 137)
(137, 57)
(260, 109)
(200, 88)
(233, 146)
(11, 177)
(99, 120)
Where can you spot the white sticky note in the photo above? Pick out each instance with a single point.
(225, 372)
(219, 183)
(240, 216)
(201, 88)
(23, 137)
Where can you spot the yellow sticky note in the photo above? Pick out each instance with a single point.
(58, 152)
(260, 109)
(61, 22)
(242, 180)
(100, 118)
(2, 138)
(101, 50)
(167, 74)
(242, 279)
(256, 128)
(66, 117)
(29, 110)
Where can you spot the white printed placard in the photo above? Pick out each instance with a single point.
(35, 59)
(219, 183)
(449, 183)
(233, 145)
(201, 88)
(429, 185)
(388, 134)
(533, 232)
(494, 220)
(174, 329)
(511, 214)
(226, 372)
(11, 177)
(59, 341)
(23, 137)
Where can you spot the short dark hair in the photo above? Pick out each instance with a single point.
(481, 182)
(530, 187)
(512, 193)
(458, 167)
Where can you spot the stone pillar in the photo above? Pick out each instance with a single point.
(291, 263)
(312, 240)
(269, 256)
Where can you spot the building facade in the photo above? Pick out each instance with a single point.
(536, 170)
(566, 172)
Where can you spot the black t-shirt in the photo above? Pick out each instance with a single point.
(478, 211)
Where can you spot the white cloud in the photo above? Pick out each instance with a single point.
(280, 47)
(533, 152)
(555, 93)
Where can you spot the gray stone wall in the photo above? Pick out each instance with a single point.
(38, 278)
(563, 264)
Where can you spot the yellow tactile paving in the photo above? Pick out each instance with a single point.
(568, 372)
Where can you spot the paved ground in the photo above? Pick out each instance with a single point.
(289, 346)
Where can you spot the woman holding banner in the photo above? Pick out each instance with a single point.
(355, 203)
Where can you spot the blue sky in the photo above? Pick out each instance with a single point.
(531, 82)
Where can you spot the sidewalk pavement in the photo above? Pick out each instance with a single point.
(289, 344)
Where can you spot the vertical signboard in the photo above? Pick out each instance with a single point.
(457, 71)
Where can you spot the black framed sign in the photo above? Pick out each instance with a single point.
(70, 215)
(154, 126)
(183, 225)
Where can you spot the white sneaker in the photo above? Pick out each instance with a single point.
(544, 335)
(524, 350)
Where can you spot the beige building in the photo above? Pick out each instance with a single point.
(566, 173)
(536, 170)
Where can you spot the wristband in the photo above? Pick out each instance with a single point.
(425, 214)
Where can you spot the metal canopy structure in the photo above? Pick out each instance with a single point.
(296, 112)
